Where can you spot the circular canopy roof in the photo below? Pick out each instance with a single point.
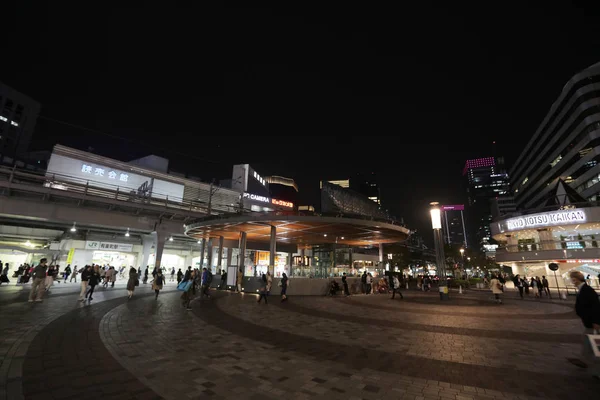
(300, 230)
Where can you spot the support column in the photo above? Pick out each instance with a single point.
(161, 238)
(272, 250)
(291, 258)
(202, 248)
(242, 255)
(219, 261)
(380, 252)
(189, 259)
(229, 256)
(350, 259)
(209, 254)
(147, 243)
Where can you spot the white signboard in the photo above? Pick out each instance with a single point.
(96, 245)
(563, 217)
(257, 197)
(67, 169)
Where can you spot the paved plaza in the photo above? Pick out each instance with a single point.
(230, 347)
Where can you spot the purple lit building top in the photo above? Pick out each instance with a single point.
(478, 163)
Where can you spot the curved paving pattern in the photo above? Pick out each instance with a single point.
(364, 347)
(238, 349)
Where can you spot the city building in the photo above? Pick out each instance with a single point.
(486, 180)
(366, 185)
(565, 146)
(453, 225)
(18, 116)
(555, 187)
(283, 188)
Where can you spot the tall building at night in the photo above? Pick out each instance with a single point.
(487, 180)
(18, 116)
(565, 147)
(453, 225)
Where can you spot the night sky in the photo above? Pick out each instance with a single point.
(306, 92)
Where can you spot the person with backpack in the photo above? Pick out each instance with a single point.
(206, 281)
(157, 285)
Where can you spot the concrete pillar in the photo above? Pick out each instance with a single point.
(147, 243)
(242, 248)
(161, 238)
(381, 252)
(229, 256)
(272, 250)
(350, 262)
(202, 248)
(546, 240)
(302, 255)
(209, 255)
(220, 253)
(291, 261)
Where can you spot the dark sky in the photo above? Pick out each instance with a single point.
(307, 92)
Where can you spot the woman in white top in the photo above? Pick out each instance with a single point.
(496, 287)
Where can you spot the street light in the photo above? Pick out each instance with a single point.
(436, 224)
(462, 254)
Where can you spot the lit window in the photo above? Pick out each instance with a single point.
(3, 118)
(14, 123)
(556, 161)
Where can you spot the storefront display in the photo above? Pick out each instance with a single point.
(113, 258)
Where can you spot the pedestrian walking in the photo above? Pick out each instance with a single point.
(50, 277)
(519, 285)
(369, 283)
(497, 288)
(67, 273)
(223, 284)
(240, 279)
(132, 282)
(157, 285)
(4, 274)
(587, 307)
(179, 276)
(173, 274)
(188, 295)
(284, 285)
(74, 274)
(263, 290)
(93, 280)
(85, 276)
(37, 286)
(546, 287)
(395, 287)
(363, 282)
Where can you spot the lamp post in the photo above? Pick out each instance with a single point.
(436, 223)
(462, 254)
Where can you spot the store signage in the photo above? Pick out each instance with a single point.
(257, 197)
(575, 216)
(265, 199)
(590, 261)
(96, 245)
(454, 207)
(282, 203)
(102, 172)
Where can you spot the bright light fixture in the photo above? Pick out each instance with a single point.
(325, 235)
(171, 239)
(342, 238)
(127, 233)
(74, 228)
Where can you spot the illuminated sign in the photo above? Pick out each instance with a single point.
(97, 171)
(575, 216)
(265, 199)
(257, 197)
(454, 207)
(591, 261)
(282, 203)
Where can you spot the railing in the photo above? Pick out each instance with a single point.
(574, 244)
(12, 179)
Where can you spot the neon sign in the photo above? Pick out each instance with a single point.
(282, 203)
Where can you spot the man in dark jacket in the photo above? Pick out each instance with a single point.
(37, 286)
(345, 283)
(587, 308)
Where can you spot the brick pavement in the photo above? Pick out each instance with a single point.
(243, 350)
(309, 348)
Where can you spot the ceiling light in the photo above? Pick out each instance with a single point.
(127, 233)
(325, 235)
(199, 241)
(171, 239)
(342, 238)
(73, 228)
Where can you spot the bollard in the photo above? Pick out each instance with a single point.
(460, 289)
(406, 285)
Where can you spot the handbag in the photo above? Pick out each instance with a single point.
(594, 343)
(185, 285)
